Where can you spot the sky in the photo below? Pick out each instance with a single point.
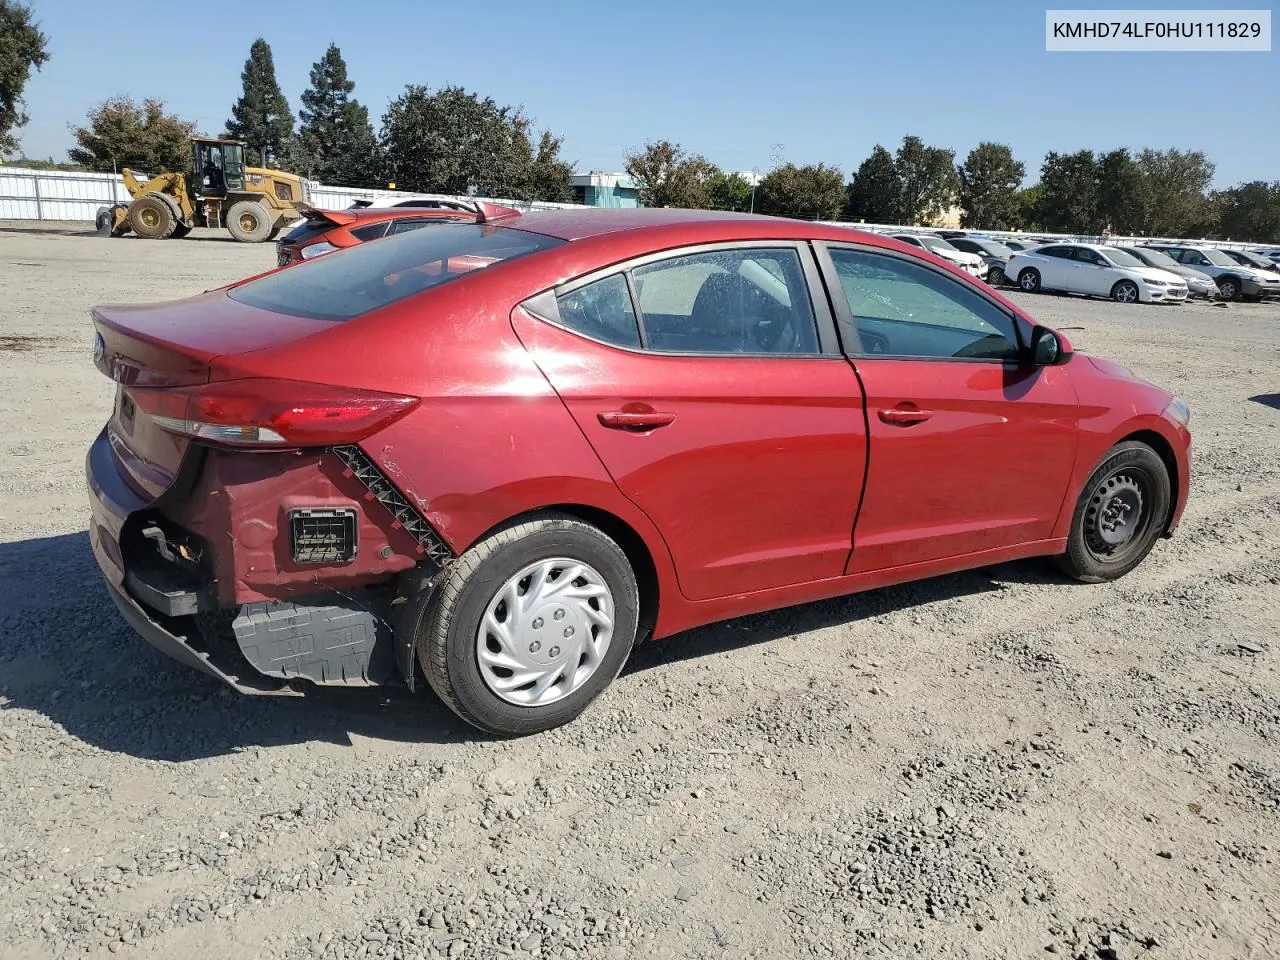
(747, 84)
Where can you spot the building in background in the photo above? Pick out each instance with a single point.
(601, 189)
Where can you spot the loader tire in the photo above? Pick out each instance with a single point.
(151, 217)
(249, 221)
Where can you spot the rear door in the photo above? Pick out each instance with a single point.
(710, 383)
(970, 449)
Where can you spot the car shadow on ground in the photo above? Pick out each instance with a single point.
(66, 654)
(1268, 400)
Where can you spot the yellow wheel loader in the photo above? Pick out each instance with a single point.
(253, 203)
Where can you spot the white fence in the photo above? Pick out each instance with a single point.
(61, 195)
(57, 194)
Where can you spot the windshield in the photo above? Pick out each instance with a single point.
(934, 244)
(1122, 258)
(1217, 257)
(354, 281)
(1155, 258)
(993, 249)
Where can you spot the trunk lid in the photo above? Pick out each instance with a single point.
(168, 346)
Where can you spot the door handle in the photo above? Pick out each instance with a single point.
(905, 415)
(635, 420)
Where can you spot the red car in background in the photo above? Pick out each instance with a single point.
(497, 454)
(324, 231)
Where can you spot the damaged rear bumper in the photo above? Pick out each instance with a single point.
(182, 648)
(349, 637)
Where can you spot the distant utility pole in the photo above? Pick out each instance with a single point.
(775, 158)
(755, 178)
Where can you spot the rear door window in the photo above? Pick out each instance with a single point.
(729, 301)
(374, 275)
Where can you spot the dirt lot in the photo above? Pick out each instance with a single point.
(993, 764)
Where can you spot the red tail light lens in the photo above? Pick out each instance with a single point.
(272, 413)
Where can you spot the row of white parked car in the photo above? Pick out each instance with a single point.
(1145, 273)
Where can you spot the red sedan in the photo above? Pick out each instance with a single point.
(498, 454)
(324, 231)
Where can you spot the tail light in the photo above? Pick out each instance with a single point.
(265, 413)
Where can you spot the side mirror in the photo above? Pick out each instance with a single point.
(1047, 348)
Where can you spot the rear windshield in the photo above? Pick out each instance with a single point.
(305, 230)
(353, 281)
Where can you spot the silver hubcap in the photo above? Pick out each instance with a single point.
(1028, 281)
(1126, 294)
(545, 632)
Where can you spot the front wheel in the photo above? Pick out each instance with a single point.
(1123, 508)
(1029, 280)
(249, 221)
(530, 625)
(1229, 288)
(1126, 291)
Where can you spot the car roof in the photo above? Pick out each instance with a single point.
(594, 222)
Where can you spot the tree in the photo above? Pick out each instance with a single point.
(548, 177)
(666, 176)
(452, 141)
(1068, 201)
(1249, 211)
(335, 139)
(22, 46)
(1124, 195)
(1176, 184)
(989, 182)
(261, 117)
(121, 133)
(730, 191)
(806, 193)
(1029, 201)
(928, 180)
(874, 190)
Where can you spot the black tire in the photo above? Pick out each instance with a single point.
(1126, 291)
(996, 277)
(249, 221)
(447, 641)
(1096, 554)
(1029, 280)
(151, 217)
(1230, 288)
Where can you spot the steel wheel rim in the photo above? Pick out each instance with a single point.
(545, 632)
(150, 218)
(248, 222)
(1118, 515)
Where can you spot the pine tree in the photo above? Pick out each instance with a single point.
(261, 117)
(335, 137)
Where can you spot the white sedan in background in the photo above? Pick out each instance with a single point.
(1094, 271)
(970, 263)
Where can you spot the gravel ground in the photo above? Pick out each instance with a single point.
(992, 764)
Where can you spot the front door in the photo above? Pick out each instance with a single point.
(711, 386)
(970, 449)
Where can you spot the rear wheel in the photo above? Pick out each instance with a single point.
(1126, 291)
(1029, 280)
(249, 221)
(530, 625)
(151, 217)
(995, 277)
(1122, 510)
